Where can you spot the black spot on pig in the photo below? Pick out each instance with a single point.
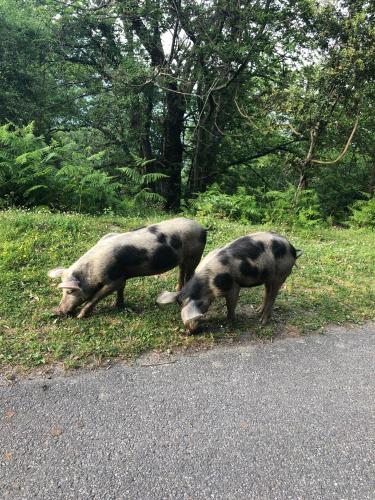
(278, 249)
(125, 258)
(163, 259)
(176, 241)
(161, 238)
(153, 229)
(247, 269)
(223, 281)
(246, 247)
(193, 289)
(263, 275)
(223, 257)
(199, 304)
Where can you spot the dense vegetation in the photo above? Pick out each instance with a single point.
(334, 282)
(257, 111)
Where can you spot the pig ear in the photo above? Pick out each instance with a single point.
(55, 273)
(167, 297)
(190, 312)
(72, 284)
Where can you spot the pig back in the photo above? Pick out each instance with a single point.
(251, 260)
(146, 251)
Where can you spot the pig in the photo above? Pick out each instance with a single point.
(262, 258)
(116, 257)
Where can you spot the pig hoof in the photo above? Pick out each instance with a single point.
(81, 315)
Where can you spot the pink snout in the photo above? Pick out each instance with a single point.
(57, 312)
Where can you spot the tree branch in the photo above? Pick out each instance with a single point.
(344, 151)
(280, 147)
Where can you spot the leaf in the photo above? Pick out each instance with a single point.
(35, 188)
(153, 177)
(131, 173)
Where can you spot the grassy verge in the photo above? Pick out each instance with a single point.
(333, 284)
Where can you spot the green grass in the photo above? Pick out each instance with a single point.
(333, 284)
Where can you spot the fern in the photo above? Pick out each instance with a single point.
(140, 182)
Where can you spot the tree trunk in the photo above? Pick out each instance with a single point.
(171, 161)
(204, 159)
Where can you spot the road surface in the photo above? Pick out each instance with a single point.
(292, 419)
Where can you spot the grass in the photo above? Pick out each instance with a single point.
(333, 284)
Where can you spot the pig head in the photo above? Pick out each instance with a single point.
(72, 293)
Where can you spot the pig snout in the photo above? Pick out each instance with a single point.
(66, 307)
(56, 311)
(191, 326)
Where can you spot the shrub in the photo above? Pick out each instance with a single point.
(238, 206)
(139, 183)
(26, 170)
(293, 206)
(68, 175)
(83, 185)
(363, 213)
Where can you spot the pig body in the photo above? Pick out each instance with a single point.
(117, 257)
(256, 259)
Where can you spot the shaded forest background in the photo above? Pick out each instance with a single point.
(255, 110)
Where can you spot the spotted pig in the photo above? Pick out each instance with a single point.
(263, 258)
(119, 256)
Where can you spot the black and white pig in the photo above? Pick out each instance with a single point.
(256, 259)
(119, 256)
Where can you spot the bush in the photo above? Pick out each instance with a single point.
(83, 185)
(293, 206)
(26, 169)
(363, 213)
(68, 175)
(238, 206)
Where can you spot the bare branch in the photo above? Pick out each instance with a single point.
(344, 151)
(280, 147)
(244, 115)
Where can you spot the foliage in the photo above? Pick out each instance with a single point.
(26, 168)
(140, 181)
(292, 206)
(63, 176)
(238, 206)
(363, 213)
(242, 95)
(333, 283)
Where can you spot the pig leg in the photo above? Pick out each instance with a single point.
(103, 292)
(260, 308)
(181, 277)
(231, 298)
(190, 266)
(120, 303)
(272, 289)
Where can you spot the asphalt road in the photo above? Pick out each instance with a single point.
(292, 419)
